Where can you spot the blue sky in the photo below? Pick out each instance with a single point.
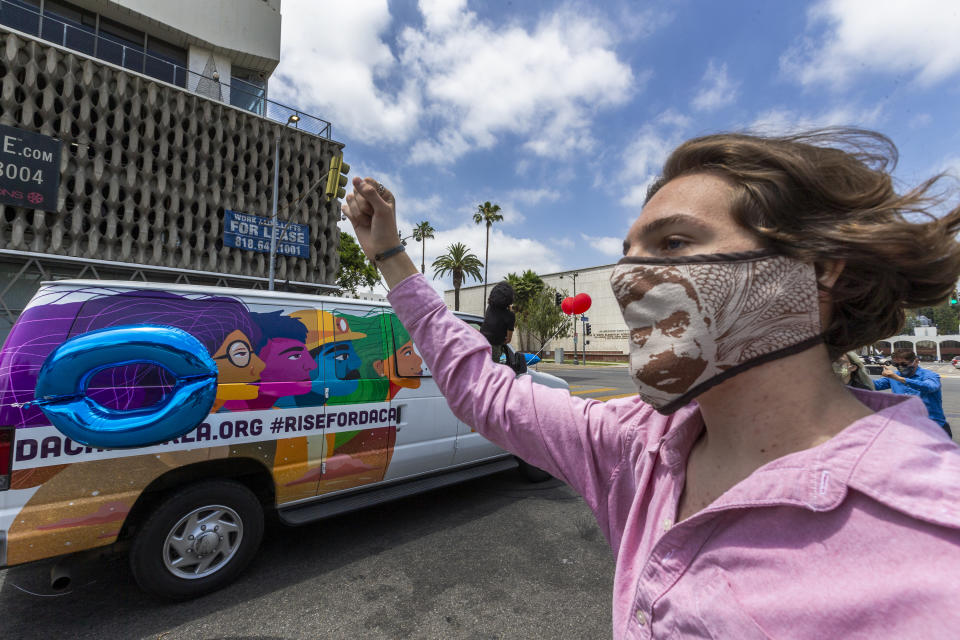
(562, 112)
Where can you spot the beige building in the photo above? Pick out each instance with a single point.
(608, 332)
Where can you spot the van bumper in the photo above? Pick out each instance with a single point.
(3, 548)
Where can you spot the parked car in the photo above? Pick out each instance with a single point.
(956, 362)
(317, 406)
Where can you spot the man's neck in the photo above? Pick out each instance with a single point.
(774, 409)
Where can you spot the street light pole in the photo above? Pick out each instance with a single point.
(276, 188)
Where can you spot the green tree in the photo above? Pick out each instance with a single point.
(355, 269)
(459, 262)
(543, 320)
(487, 213)
(421, 232)
(945, 319)
(525, 287)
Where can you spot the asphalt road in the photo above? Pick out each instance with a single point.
(497, 557)
(492, 558)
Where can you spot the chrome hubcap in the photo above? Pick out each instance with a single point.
(202, 542)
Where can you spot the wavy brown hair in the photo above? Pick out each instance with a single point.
(828, 195)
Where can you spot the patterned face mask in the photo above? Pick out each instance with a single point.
(698, 320)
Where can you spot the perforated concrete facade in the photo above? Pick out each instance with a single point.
(147, 169)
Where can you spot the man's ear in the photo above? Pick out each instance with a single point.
(828, 271)
(378, 367)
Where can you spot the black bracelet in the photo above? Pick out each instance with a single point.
(380, 257)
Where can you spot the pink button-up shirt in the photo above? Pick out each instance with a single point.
(858, 537)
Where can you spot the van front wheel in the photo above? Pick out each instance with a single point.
(198, 540)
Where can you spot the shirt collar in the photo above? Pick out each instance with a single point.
(819, 478)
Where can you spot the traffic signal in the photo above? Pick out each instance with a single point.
(953, 299)
(587, 329)
(337, 178)
(558, 298)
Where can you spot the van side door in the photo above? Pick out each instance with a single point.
(360, 428)
(426, 427)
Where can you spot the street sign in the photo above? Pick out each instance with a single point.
(29, 169)
(585, 318)
(244, 231)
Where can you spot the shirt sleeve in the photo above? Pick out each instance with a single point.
(881, 384)
(929, 383)
(579, 441)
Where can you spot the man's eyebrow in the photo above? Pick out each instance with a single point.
(677, 218)
(291, 349)
(660, 223)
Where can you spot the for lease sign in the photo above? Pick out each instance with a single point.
(29, 169)
(244, 231)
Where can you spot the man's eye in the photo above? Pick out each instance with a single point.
(294, 356)
(673, 243)
(340, 357)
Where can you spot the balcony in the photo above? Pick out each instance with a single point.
(92, 38)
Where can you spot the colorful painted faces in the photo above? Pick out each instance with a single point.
(286, 359)
(404, 368)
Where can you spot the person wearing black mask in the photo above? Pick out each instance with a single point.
(906, 376)
(499, 319)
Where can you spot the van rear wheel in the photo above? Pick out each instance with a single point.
(198, 540)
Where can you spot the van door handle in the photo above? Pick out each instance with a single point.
(399, 416)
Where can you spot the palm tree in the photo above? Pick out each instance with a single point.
(487, 212)
(459, 262)
(421, 232)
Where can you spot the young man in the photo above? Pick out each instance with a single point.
(907, 377)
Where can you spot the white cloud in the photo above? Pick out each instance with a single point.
(340, 76)
(780, 120)
(606, 245)
(508, 253)
(882, 36)
(716, 89)
(457, 82)
(482, 81)
(645, 154)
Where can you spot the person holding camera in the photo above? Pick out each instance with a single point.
(905, 376)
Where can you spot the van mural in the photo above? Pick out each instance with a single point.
(306, 392)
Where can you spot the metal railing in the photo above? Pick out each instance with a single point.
(83, 39)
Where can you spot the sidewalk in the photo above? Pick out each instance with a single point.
(543, 365)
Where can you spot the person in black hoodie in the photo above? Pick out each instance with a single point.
(499, 319)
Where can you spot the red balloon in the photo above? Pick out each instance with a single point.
(581, 302)
(566, 305)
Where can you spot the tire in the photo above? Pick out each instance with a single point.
(177, 555)
(532, 473)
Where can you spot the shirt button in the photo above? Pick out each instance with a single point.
(641, 617)
(667, 523)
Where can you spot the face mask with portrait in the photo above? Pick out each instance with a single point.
(697, 320)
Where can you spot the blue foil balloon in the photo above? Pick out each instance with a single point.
(61, 391)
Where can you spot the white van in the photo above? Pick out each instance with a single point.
(313, 406)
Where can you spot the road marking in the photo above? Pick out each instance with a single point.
(613, 397)
(576, 386)
(578, 393)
